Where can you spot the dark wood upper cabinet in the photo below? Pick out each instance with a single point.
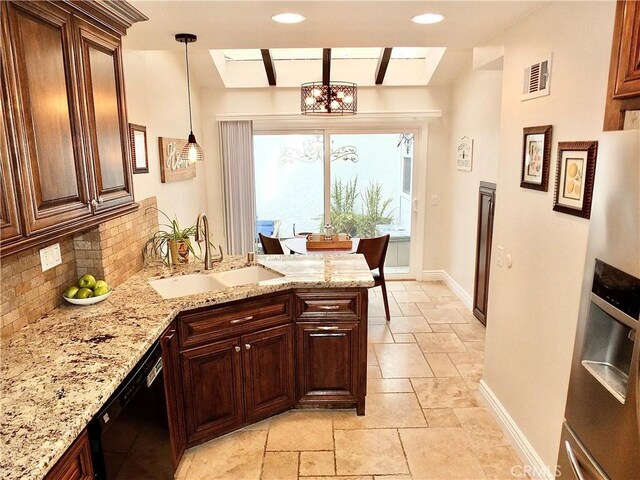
(107, 128)
(624, 72)
(9, 217)
(65, 131)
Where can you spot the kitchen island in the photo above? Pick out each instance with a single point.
(58, 372)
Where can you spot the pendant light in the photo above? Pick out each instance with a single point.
(191, 151)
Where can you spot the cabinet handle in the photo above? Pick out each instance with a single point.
(243, 319)
(342, 334)
(237, 348)
(332, 327)
(328, 307)
(247, 346)
(573, 461)
(94, 202)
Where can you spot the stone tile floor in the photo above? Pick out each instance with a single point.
(424, 415)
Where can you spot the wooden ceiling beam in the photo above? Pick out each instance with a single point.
(269, 67)
(383, 63)
(326, 66)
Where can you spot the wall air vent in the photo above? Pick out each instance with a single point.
(537, 78)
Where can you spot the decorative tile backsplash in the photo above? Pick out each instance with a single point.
(112, 251)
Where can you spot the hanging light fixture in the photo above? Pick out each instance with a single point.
(332, 98)
(191, 151)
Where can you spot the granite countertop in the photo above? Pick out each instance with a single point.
(57, 373)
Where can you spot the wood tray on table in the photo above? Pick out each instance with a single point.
(339, 241)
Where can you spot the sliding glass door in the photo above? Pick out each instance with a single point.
(359, 182)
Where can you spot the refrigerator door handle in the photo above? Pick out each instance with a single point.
(573, 461)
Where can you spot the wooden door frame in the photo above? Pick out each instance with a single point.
(486, 188)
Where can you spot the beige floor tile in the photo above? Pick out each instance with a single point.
(385, 410)
(480, 427)
(280, 466)
(439, 342)
(471, 373)
(389, 385)
(404, 338)
(393, 477)
(409, 325)
(393, 286)
(437, 288)
(441, 328)
(467, 358)
(468, 332)
(376, 306)
(369, 452)
(373, 371)
(440, 453)
(445, 315)
(379, 334)
(441, 417)
(441, 365)
(474, 346)
(183, 467)
(317, 463)
(409, 309)
(411, 297)
(498, 462)
(402, 360)
(425, 307)
(443, 393)
(301, 430)
(340, 477)
(237, 455)
(377, 320)
(468, 316)
(412, 285)
(447, 303)
(371, 355)
(262, 425)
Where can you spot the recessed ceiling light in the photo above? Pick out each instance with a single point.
(428, 18)
(288, 18)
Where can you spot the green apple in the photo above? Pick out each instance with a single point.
(71, 291)
(101, 283)
(101, 290)
(87, 281)
(84, 293)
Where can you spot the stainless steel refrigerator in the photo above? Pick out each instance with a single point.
(601, 432)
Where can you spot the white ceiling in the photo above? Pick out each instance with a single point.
(329, 23)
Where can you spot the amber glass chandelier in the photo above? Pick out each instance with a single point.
(332, 98)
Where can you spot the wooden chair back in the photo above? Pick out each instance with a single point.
(270, 245)
(374, 251)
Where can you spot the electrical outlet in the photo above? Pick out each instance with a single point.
(434, 200)
(50, 256)
(499, 255)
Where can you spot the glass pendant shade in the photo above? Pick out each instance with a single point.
(192, 151)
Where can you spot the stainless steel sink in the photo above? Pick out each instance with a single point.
(181, 286)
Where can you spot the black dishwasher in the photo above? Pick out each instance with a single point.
(130, 435)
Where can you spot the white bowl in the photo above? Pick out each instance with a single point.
(88, 301)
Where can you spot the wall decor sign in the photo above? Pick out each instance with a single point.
(174, 168)
(464, 154)
(575, 175)
(536, 157)
(139, 154)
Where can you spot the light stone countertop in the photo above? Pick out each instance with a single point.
(57, 373)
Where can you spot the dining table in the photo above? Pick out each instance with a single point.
(299, 245)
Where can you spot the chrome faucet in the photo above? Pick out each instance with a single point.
(208, 262)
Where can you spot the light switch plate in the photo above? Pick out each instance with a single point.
(434, 200)
(499, 255)
(50, 256)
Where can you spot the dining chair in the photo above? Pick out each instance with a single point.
(375, 252)
(270, 245)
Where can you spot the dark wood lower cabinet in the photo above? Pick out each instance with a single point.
(486, 208)
(75, 464)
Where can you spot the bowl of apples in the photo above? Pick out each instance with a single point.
(87, 291)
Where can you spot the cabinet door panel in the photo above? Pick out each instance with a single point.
(46, 114)
(212, 381)
(75, 464)
(173, 392)
(105, 113)
(327, 362)
(628, 71)
(268, 370)
(10, 228)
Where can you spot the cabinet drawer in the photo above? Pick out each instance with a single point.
(233, 319)
(334, 306)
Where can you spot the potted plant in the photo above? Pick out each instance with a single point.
(172, 245)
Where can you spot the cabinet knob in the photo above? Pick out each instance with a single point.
(100, 200)
(247, 346)
(237, 348)
(94, 203)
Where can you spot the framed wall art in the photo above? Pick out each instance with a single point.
(173, 167)
(139, 155)
(464, 154)
(575, 175)
(536, 157)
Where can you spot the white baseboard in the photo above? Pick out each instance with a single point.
(442, 276)
(529, 457)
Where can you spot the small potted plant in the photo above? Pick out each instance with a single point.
(172, 244)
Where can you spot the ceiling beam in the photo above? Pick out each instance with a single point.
(269, 67)
(326, 65)
(383, 63)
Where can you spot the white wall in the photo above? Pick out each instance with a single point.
(533, 307)
(156, 93)
(475, 107)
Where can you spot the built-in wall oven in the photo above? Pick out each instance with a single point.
(601, 431)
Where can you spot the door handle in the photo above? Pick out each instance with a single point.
(573, 461)
(341, 334)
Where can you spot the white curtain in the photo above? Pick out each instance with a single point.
(236, 151)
